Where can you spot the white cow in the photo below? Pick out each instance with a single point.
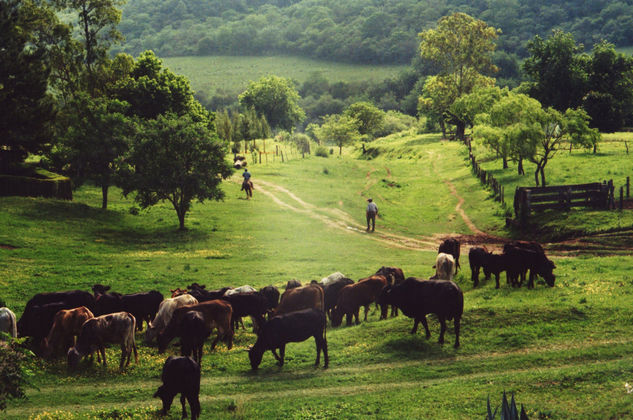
(241, 289)
(165, 311)
(332, 278)
(7, 322)
(444, 267)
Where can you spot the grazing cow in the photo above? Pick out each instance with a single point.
(113, 328)
(142, 305)
(181, 375)
(251, 304)
(66, 325)
(524, 256)
(291, 327)
(293, 284)
(478, 258)
(304, 297)
(217, 314)
(444, 267)
(7, 323)
(451, 246)
(325, 281)
(193, 331)
(417, 298)
(165, 311)
(394, 275)
(353, 296)
(271, 293)
(37, 323)
(331, 293)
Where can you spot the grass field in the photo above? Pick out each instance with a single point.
(563, 351)
(230, 74)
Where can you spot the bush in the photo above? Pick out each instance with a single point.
(13, 374)
(321, 151)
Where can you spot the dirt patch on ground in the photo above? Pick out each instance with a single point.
(6, 246)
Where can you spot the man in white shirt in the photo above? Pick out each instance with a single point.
(371, 213)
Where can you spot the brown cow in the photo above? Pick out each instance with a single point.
(353, 296)
(298, 298)
(66, 325)
(118, 327)
(217, 314)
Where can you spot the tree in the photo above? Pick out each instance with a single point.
(93, 146)
(177, 159)
(369, 118)
(340, 129)
(27, 32)
(277, 99)
(557, 71)
(462, 47)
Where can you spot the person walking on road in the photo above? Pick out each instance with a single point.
(371, 213)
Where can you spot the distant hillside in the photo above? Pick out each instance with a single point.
(358, 31)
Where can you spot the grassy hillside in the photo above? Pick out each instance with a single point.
(563, 351)
(232, 74)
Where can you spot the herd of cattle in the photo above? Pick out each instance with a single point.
(79, 323)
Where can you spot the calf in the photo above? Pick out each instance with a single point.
(304, 297)
(293, 284)
(353, 296)
(181, 375)
(66, 325)
(193, 331)
(417, 298)
(394, 275)
(217, 314)
(165, 311)
(444, 267)
(451, 246)
(7, 323)
(113, 328)
(290, 328)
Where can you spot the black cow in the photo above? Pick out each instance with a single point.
(417, 298)
(271, 293)
(142, 305)
(291, 327)
(203, 295)
(394, 275)
(251, 304)
(33, 323)
(524, 256)
(292, 284)
(451, 246)
(181, 375)
(193, 331)
(477, 258)
(331, 293)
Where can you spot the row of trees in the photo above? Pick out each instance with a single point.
(367, 31)
(113, 121)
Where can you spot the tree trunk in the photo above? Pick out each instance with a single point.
(443, 127)
(340, 149)
(181, 219)
(104, 196)
(543, 176)
(595, 148)
(505, 162)
(536, 172)
(460, 130)
(520, 169)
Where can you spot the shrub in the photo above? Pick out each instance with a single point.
(321, 151)
(13, 374)
(25, 186)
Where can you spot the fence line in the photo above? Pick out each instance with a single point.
(484, 176)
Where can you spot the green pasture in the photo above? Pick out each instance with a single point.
(230, 74)
(563, 351)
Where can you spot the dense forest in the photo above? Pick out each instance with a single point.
(358, 31)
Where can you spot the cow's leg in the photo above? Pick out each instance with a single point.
(416, 321)
(426, 326)
(103, 358)
(282, 354)
(318, 340)
(194, 404)
(474, 275)
(123, 356)
(274, 352)
(356, 315)
(215, 341)
(384, 311)
(497, 280)
(531, 279)
(184, 407)
(348, 318)
(394, 310)
(325, 355)
(229, 338)
(456, 323)
(366, 310)
(442, 329)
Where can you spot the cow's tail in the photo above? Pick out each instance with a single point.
(14, 325)
(131, 339)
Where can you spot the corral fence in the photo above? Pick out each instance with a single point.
(528, 200)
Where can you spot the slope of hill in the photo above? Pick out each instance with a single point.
(361, 31)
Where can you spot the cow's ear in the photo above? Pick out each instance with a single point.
(106, 288)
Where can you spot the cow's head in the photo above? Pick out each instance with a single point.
(166, 397)
(337, 317)
(547, 271)
(99, 289)
(73, 356)
(255, 353)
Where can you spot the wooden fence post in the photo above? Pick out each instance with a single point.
(621, 198)
(628, 186)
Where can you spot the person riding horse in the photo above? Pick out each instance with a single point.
(247, 184)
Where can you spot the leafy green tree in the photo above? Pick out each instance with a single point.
(276, 98)
(609, 99)
(28, 30)
(462, 47)
(557, 71)
(339, 129)
(369, 117)
(176, 159)
(95, 142)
